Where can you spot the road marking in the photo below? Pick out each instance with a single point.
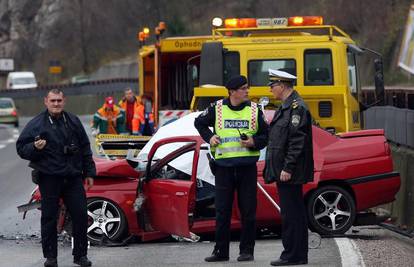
(350, 254)
(14, 133)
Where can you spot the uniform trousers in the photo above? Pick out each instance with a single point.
(294, 222)
(243, 180)
(71, 190)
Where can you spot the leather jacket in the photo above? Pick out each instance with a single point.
(290, 143)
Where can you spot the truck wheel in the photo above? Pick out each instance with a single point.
(331, 210)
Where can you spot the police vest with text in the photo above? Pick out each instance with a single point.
(229, 125)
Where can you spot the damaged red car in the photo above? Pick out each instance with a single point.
(353, 172)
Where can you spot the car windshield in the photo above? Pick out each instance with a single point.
(5, 104)
(24, 80)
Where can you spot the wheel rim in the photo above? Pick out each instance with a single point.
(332, 210)
(104, 218)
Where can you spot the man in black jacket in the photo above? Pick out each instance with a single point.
(240, 131)
(58, 148)
(289, 162)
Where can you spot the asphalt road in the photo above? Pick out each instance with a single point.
(20, 239)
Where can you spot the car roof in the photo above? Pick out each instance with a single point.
(21, 74)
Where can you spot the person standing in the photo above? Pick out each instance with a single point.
(240, 131)
(133, 108)
(289, 163)
(58, 148)
(109, 119)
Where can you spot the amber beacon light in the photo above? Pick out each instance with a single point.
(305, 21)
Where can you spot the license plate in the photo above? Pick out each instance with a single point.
(272, 22)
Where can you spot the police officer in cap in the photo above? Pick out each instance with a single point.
(289, 163)
(240, 131)
(58, 149)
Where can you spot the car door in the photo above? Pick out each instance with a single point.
(170, 185)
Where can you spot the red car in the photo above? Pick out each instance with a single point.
(353, 172)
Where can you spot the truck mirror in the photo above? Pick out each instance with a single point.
(263, 101)
(379, 81)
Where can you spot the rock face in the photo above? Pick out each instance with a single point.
(80, 34)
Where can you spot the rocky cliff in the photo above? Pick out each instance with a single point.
(84, 34)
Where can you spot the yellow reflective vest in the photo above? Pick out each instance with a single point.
(229, 125)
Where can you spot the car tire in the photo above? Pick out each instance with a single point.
(331, 210)
(116, 228)
(16, 124)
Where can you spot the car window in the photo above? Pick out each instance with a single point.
(176, 155)
(24, 80)
(5, 103)
(179, 168)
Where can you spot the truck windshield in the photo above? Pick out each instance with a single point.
(259, 69)
(318, 67)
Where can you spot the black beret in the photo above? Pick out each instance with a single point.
(236, 82)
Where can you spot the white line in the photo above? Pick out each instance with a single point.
(350, 254)
(2, 146)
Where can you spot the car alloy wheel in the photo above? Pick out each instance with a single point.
(105, 218)
(331, 210)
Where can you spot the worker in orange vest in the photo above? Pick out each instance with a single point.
(132, 105)
(109, 119)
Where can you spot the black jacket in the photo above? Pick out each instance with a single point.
(290, 143)
(58, 133)
(207, 119)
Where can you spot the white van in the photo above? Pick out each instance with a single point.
(21, 80)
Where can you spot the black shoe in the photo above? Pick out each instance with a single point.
(82, 261)
(281, 262)
(245, 257)
(215, 256)
(51, 262)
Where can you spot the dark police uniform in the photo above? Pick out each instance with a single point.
(234, 173)
(62, 164)
(290, 149)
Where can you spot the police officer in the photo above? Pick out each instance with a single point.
(58, 148)
(289, 162)
(239, 133)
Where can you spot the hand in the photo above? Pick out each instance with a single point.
(248, 143)
(40, 144)
(285, 176)
(214, 140)
(88, 183)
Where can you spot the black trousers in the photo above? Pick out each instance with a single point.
(294, 222)
(243, 180)
(71, 190)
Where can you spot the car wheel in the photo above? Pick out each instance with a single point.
(331, 210)
(16, 124)
(104, 218)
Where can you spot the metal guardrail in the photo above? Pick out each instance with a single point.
(84, 88)
(396, 96)
(398, 123)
